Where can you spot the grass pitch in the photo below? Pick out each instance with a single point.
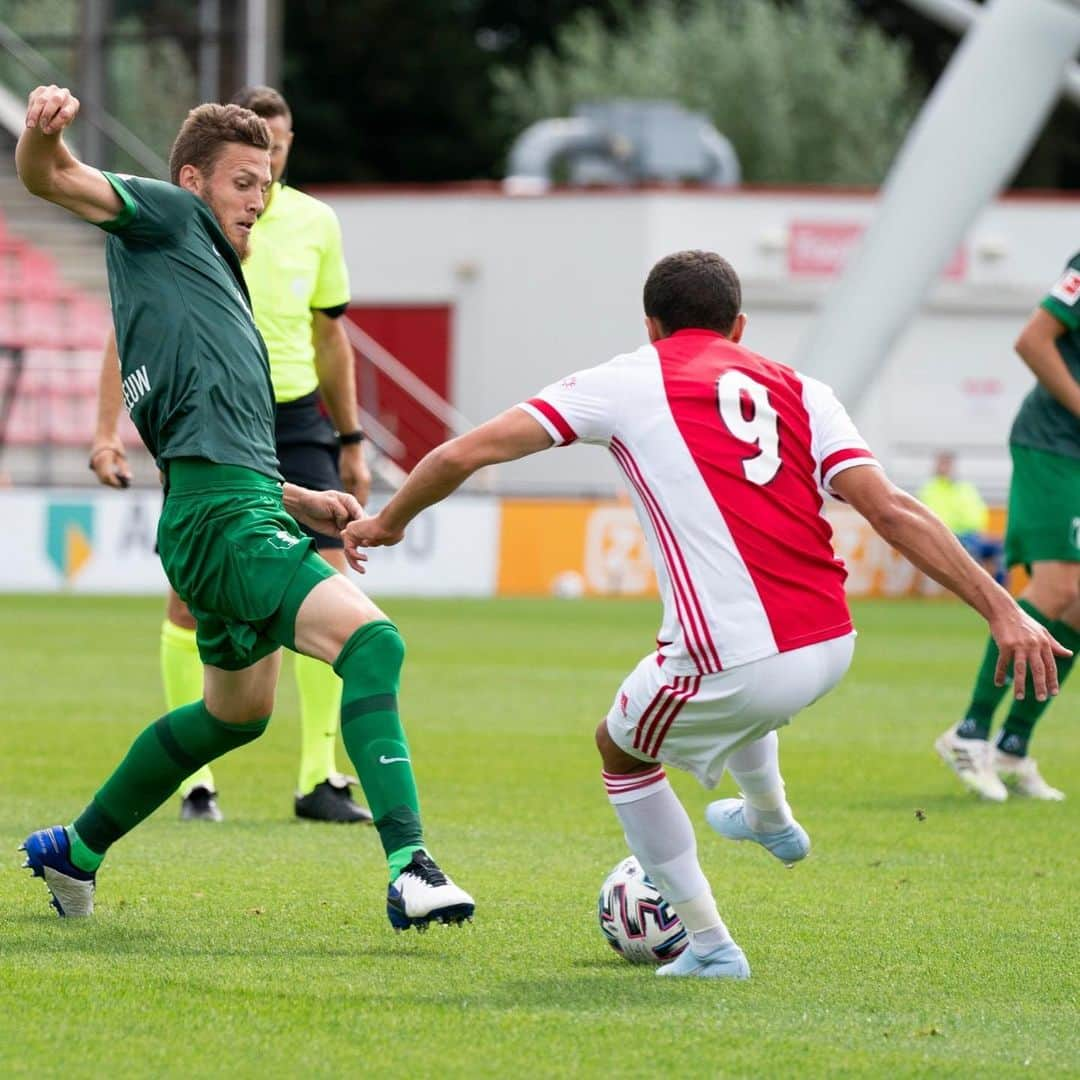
(927, 935)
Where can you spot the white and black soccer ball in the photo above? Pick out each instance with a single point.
(636, 920)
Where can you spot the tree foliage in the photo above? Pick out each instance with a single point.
(805, 91)
(390, 91)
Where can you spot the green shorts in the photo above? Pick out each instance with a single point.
(236, 558)
(1044, 508)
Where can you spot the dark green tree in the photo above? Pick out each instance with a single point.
(390, 91)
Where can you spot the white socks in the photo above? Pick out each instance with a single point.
(659, 833)
(756, 769)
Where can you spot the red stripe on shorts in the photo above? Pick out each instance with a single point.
(688, 692)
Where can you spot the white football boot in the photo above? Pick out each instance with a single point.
(422, 893)
(1021, 776)
(973, 762)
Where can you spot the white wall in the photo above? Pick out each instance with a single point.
(102, 541)
(543, 285)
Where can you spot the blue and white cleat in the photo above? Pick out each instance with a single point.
(789, 845)
(48, 855)
(422, 893)
(726, 962)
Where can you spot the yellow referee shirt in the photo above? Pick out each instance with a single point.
(295, 263)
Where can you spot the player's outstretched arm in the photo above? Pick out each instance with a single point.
(107, 457)
(921, 537)
(512, 435)
(48, 168)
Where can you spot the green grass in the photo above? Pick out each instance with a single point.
(903, 947)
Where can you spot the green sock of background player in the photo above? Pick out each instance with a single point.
(986, 695)
(1016, 731)
(1024, 714)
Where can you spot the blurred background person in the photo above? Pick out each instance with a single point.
(959, 504)
(1043, 536)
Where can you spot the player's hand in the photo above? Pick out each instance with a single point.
(365, 533)
(355, 474)
(50, 109)
(1029, 649)
(327, 512)
(109, 464)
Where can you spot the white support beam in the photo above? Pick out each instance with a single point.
(980, 121)
(960, 15)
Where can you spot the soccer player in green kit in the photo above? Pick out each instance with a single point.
(296, 275)
(1042, 535)
(197, 386)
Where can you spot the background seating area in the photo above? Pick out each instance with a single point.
(51, 337)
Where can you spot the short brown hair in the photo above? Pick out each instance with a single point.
(207, 129)
(693, 290)
(263, 101)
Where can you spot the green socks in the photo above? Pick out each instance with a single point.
(154, 767)
(1016, 731)
(320, 709)
(182, 680)
(370, 670)
(986, 696)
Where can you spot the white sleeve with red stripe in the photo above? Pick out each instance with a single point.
(581, 406)
(837, 444)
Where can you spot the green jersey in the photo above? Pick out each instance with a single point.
(1043, 423)
(196, 377)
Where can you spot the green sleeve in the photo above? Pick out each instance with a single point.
(127, 210)
(1063, 300)
(153, 210)
(332, 284)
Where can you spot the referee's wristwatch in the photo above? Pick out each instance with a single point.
(350, 438)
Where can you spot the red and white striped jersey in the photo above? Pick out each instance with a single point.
(727, 456)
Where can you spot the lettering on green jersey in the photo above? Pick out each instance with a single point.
(1074, 533)
(136, 385)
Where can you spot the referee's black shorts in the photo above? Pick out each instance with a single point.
(308, 452)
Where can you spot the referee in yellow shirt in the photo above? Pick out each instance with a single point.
(299, 285)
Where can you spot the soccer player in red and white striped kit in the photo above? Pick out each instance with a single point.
(727, 456)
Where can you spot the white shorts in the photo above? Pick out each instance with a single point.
(694, 722)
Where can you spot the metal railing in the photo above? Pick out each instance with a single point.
(382, 360)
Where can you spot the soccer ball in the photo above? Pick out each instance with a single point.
(635, 919)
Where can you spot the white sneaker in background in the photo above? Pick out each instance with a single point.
(1021, 776)
(972, 761)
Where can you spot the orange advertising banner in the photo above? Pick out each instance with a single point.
(596, 548)
(572, 548)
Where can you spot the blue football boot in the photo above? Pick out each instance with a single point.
(48, 855)
(789, 845)
(726, 962)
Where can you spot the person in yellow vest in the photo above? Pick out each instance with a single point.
(295, 272)
(959, 504)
